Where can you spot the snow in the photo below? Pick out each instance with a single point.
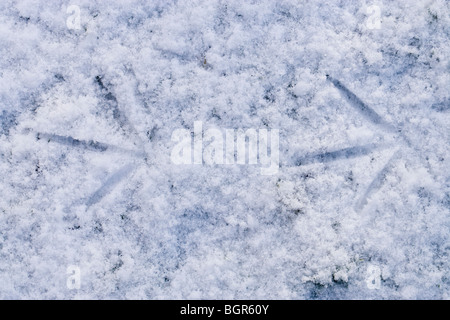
(88, 114)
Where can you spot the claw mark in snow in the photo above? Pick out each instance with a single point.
(85, 144)
(357, 103)
(119, 116)
(109, 184)
(69, 141)
(346, 153)
(377, 182)
(112, 102)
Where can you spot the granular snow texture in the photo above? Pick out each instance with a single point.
(93, 206)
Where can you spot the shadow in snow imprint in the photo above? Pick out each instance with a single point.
(86, 144)
(377, 182)
(375, 118)
(112, 103)
(359, 105)
(69, 141)
(109, 184)
(329, 156)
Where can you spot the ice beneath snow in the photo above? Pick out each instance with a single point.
(359, 207)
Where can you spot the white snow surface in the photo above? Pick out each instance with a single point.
(86, 177)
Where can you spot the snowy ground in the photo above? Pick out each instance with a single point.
(359, 207)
